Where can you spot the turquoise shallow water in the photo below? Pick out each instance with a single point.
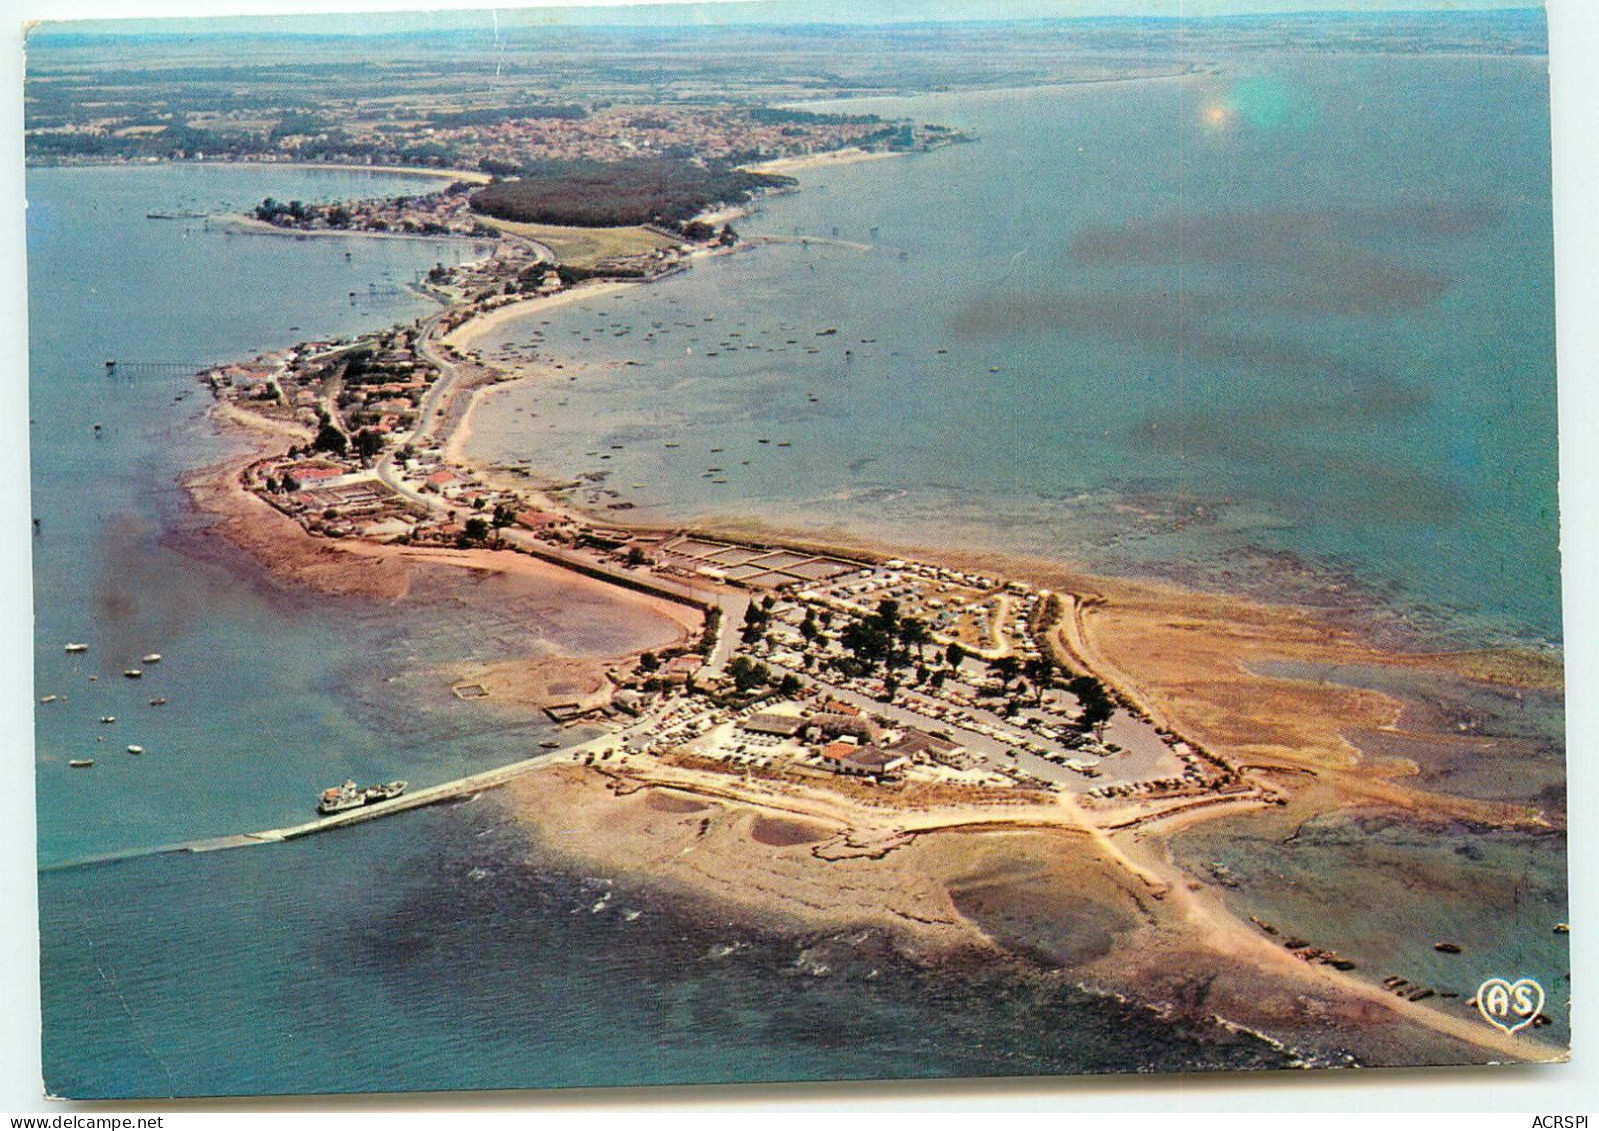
(260, 684)
(1285, 328)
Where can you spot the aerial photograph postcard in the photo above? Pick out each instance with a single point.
(792, 541)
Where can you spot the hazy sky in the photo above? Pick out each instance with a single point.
(763, 11)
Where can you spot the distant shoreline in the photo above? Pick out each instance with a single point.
(156, 163)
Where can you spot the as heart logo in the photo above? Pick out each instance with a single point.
(1510, 1006)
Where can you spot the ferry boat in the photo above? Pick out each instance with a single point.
(339, 799)
(75, 648)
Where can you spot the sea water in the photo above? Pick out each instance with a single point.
(259, 716)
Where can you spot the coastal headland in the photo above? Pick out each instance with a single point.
(983, 755)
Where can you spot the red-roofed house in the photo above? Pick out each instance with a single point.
(307, 473)
(536, 520)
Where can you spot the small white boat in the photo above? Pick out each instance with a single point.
(152, 658)
(135, 749)
(134, 673)
(108, 719)
(75, 648)
(158, 701)
(48, 698)
(81, 763)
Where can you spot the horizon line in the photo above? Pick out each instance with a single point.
(689, 17)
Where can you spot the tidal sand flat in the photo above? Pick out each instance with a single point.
(950, 890)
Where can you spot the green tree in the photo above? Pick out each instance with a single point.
(368, 443)
(913, 633)
(747, 674)
(954, 655)
(1040, 672)
(1095, 705)
(477, 529)
(866, 641)
(330, 439)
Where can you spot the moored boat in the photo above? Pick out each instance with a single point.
(385, 792)
(341, 797)
(81, 763)
(75, 648)
(159, 701)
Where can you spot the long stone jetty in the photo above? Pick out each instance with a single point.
(416, 799)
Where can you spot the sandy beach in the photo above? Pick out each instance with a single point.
(851, 155)
(466, 336)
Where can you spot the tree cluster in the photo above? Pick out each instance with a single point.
(596, 194)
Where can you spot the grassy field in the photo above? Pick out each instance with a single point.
(584, 247)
